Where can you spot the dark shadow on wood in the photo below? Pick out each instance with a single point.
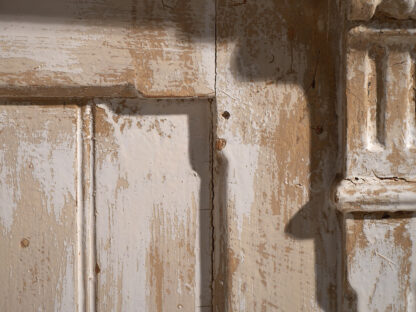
(200, 150)
(298, 43)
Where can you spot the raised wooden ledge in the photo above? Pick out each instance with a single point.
(107, 48)
(375, 195)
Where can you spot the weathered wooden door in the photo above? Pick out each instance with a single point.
(207, 155)
(105, 197)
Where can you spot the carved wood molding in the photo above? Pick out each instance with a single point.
(377, 194)
(364, 10)
(380, 122)
(372, 195)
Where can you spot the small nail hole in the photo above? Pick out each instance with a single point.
(24, 243)
(226, 115)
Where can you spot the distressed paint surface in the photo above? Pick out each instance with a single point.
(151, 188)
(368, 194)
(153, 205)
(276, 238)
(379, 157)
(107, 48)
(143, 167)
(38, 207)
(381, 255)
(380, 134)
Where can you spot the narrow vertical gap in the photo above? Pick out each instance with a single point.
(381, 72)
(412, 93)
(215, 47)
(211, 161)
(213, 111)
(371, 100)
(411, 105)
(80, 215)
(376, 67)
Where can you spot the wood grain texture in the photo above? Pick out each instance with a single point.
(122, 201)
(138, 228)
(153, 205)
(107, 48)
(38, 207)
(277, 241)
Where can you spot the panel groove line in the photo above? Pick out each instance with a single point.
(89, 189)
(80, 215)
(86, 244)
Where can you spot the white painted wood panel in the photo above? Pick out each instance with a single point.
(38, 207)
(153, 205)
